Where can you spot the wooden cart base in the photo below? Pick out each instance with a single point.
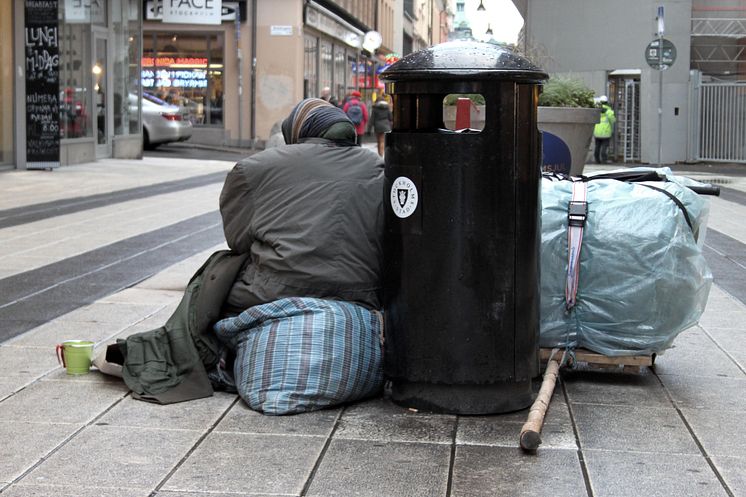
(627, 363)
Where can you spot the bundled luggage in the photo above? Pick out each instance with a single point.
(640, 278)
(301, 354)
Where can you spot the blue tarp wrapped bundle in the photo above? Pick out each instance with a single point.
(642, 279)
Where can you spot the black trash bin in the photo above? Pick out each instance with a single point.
(461, 248)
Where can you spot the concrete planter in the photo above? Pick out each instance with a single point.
(572, 125)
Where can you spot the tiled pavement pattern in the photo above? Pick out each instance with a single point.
(677, 430)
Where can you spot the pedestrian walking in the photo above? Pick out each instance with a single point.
(357, 112)
(603, 131)
(382, 120)
(326, 95)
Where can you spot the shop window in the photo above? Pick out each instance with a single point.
(339, 72)
(326, 65)
(76, 104)
(126, 69)
(186, 70)
(352, 82)
(310, 66)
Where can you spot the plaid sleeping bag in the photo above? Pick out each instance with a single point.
(301, 354)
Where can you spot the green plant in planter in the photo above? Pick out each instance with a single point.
(451, 99)
(560, 91)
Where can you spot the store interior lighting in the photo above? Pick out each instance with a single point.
(489, 30)
(481, 6)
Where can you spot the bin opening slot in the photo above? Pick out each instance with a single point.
(464, 112)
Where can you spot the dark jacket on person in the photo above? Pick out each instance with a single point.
(381, 116)
(310, 215)
(169, 364)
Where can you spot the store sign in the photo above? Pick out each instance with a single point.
(228, 12)
(281, 30)
(191, 11)
(326, 24)
(42, 61)
(174, 62)
(174, 78)
(85, 12)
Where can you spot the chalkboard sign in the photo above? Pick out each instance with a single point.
(42, 84)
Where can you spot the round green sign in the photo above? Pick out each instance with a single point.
(660, 59)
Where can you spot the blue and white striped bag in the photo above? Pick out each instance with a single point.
(301, 354)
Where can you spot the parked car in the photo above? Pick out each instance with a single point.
(161, 122)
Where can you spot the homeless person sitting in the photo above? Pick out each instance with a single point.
(299, 290)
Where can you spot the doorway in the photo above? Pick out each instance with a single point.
(624, 89)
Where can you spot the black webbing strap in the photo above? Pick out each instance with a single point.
(675, 201)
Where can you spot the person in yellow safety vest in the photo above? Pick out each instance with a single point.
(603, 131)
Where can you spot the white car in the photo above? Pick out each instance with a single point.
(161, 121)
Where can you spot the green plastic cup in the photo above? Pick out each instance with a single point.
(75, 356)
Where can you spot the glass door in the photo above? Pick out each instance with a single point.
(101, 95)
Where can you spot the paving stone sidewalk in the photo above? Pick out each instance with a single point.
(678, 429)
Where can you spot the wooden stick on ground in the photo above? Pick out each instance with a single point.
(531, 431)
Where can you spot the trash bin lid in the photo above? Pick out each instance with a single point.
(464, 60)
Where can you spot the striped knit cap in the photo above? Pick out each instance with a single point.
(312, 117)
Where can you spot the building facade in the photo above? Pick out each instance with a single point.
(88, 54)
(605, 43)
(263, 58)
(234, 78)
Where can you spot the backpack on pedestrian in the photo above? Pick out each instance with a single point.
(355, 112)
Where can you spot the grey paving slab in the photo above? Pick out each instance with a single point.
(198, 414)
(94, 376)
(694, 353)
(131, 260)
(697, 392)
(733, 341)
(69, 491)
(25, 444)
(493, 430)
(24, 215)
(364, 468)
(623, 474)
(13, 327)
(49, 334)
(167, 493)
(644, 429)
(116, 314)
(7, 387)
(138, 295)
(113, 456)
(614, 388)
(238, 462)
(241, 419)
(733, 471)
(380, 419)
(557, 413)
(722, 433)
(24, 361)
(63, 401)
(480, 471)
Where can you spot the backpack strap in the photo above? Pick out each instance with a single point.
(577, 212)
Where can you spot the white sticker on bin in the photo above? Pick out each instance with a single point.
(404, 197)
